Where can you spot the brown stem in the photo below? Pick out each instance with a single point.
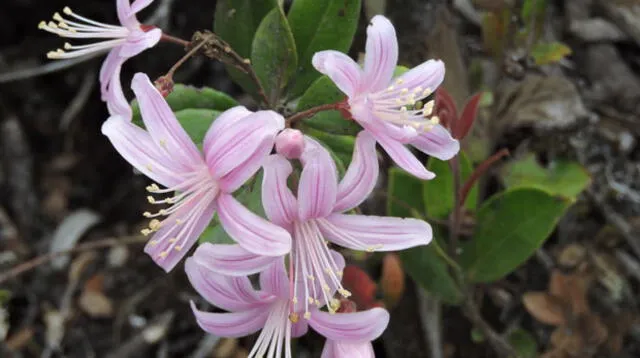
(184, 59)
(477, 173)
(42, 259)
(175, 40)
(311, 111)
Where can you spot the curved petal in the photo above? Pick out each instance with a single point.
(361, 176)
(318, 184)
(438, 143)
(278, 201)
(340, 68)
(162, 124)
(381, 54)
(375, 233)
(275, 280)
(252, 232)
(350, 327)
(428, 75)
(117, 104)
(236, 178)
(180, 231)
(139, 5)
(228, 293)
(337, 349)
(233, 146)
(299, 328)
(235, 324)
(139, 41)
(403, 157)
(125, 15)
(136, 146)
(110, 65)
(225, 120)
(231, 260)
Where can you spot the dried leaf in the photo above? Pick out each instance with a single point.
(69, 232)
(545, 308)
(572, 255)
(93, 301)
(570, 288)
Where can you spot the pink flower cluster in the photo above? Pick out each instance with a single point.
(308, 212)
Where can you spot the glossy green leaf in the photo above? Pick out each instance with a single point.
(316, 26)
(273, 53)
(562, 177)
(524, 343)
(422, 263)
(196, 122)
(323, 91)
(545, 53)
(236, 22)
(438, 192)
(184, 96)
(510, 227)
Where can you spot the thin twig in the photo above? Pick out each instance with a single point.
(478, 172)
(499, 344)
(42, 259)
(311, 111)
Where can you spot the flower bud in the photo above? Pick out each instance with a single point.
(290, 143)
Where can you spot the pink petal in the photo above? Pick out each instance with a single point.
(350, 327)
(318, 184)
(377, 233)
(139, 5)
(110, 65)
(228, 147)
(162, 124)
(337, 349)
(125, 15)
(117, 104)
(228, 293)
(275, 280)
(438, 143)
(237, 177)
(136, 146)
(236, 324)
(381, 54)
(195, 216)
(429, 74)
(231, 260)
(139, 41)
(225, 120)
(252, 232)
(403, 157)
(299, 328)
(340, 68)
(278, 201)
(361, 176)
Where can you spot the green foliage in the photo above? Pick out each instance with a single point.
(273, 53)
(423, 263)
(236, 22)
(510, 227)
(196, 122)
(316, 26)
(562, 177)
(183, 97)
(545, 53)
(523, 343)
(438, 192)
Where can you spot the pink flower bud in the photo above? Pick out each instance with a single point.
(290, 143)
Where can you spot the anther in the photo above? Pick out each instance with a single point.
(307, 315)
(404, 91)
(149, 168)
(172, 240)
(435, 120)
(344, 292)
(399, 81)
(310, 300)
(145, 232)
(151, 200)
(57, 17)
(67, 10)
(163, 254)
(154, 224)
(42, 25)
(178, 248)
(294, 317)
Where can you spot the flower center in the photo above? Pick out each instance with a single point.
(404, 105)
(275, 334)
(314, 269)
(189, 201)
(80, 27)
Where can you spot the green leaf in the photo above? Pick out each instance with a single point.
(562, 177)
(273, 53)
(510, 227)
(184, 97)
(236, 22)
(547, 53)
(422, 263)
(196, 122)
(340, 145)
(323, 91)
(320, 25)
(524, 343)
(438, 192)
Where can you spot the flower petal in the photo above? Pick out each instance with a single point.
(252, 232)
(234, 146)
(350, 327)
(135, 145)
(299, 328)
(228, 293)
(236, 324)
(275, 280)
(337, 349)
(428, 75)
(231, 260)
(236, 178)
(361, 176)
(340, 68)
(318, 184)
(125, 15)
(117, 104)
(381, 54)
(377, 233)
(438, 143)
(278, 201)
(403, 157)
(163, 126)
(172, 241)
(139, 41)
(110, 65)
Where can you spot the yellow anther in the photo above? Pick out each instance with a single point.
(145, 232)
(344, 292)
(153, 188)
(390, 88)
(317, 302)
(42, 25)
(163, 254)
(426, 92)
(435, 120)
(154, 224)
(163, 143)
(339, 274)
(311, 278)
(149, 168)
(172, 240)
(294, 317)
(418, 105)
(147, 214)
(153, 242)
(151, 200)
(403, 109)
(179, 221)
(404, 91)
(52, 25)
(57, 17)
(399, 81)
(310, 300)
(307, 315)
(294, 300)
(334, 304)
(178, 248)
(417, 89)
(67, 10)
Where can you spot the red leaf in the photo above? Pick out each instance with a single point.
(362, 287)
(445, 108)
(467, 118)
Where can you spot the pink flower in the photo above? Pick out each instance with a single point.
(317, 215)
(272, 309)
(391, 110)
(234, 149)
(338, 349)
(124, 41)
